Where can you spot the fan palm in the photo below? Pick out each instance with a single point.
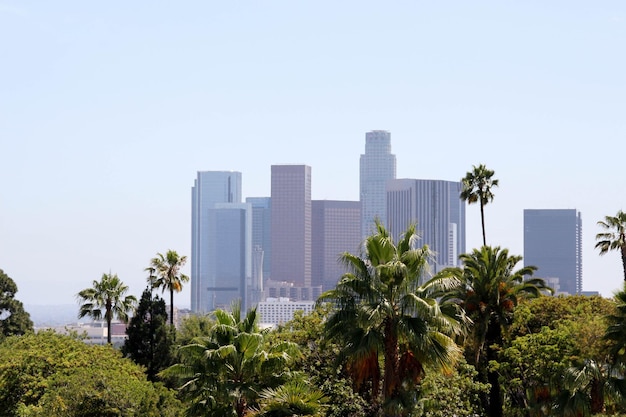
(476, 188)
(383, 311)
(223, 373)
(490, 292)
(165, 274)
(616, 330)
(588, 387)
(106, 300)
(292, 399)
(615, 236)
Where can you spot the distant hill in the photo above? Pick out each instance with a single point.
(52, 315)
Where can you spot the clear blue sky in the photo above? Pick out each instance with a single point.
(108, 110)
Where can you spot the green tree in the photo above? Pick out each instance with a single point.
(615, 236)
(319, 362)
(383, 313)
(476, 188)
(149, 340)
(165, 274)
(14, 320)
(193, 326)
(106, 300)
(48, 374)
(295, 398)
(223, 373)
(489, 295)
(456, 393)
(591, 388)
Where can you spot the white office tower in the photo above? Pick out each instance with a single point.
(377, 166)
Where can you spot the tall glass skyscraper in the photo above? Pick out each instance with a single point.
(436, 209)
(377, 166)
(553, 243)
(210, 189)
(291, 224)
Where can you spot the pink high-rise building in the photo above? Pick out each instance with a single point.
(291, 224)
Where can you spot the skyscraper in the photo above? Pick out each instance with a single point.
(209, 189)
(336, 229)
(553, 243)
(377, 166)
(436, 209)
(229, 255)
(291, 224)
(261, 246)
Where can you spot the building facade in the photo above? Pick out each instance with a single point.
(553, 243)
(377, 166)
(261, 246)
(336, 229)
(275, 311)
(438, 212)
(229, 253)
(291, 224)
(209, 189)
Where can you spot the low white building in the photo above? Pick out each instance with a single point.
(275, 311)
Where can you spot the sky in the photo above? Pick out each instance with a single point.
(109, 109)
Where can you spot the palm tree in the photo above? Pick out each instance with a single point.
(476, 188)
(490, 292)
(615, 332)
(165, 274)
(615, 237)
(296, 398)
(223, 373)
(589, 387)
(382, 311)
(106, 300)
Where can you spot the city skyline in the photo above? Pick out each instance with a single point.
(106, 118)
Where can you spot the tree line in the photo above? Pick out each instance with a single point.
(389, 340)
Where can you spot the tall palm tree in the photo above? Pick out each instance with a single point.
(476, 188)
(615, 237)
(223, 373)
(383, 311)
(616, 330)
(165, 274)
(106, 300)
(490, 292)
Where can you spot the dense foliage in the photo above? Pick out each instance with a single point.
(47, 374)
(13, 319)
(149, 342)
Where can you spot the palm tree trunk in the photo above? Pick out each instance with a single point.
(392, 362)
(494, 336)
(624, 260)
(172, 307)
(597, 398)
(482, 222)
(109, 318)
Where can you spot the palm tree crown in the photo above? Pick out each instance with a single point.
(165, 274)
(383, 311)
(490, 292)
(615, 236)
(476, 188)
(106, 300)
(224, 372)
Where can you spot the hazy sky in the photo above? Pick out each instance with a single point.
(108, 110)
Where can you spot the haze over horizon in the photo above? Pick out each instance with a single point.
(107, 111)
